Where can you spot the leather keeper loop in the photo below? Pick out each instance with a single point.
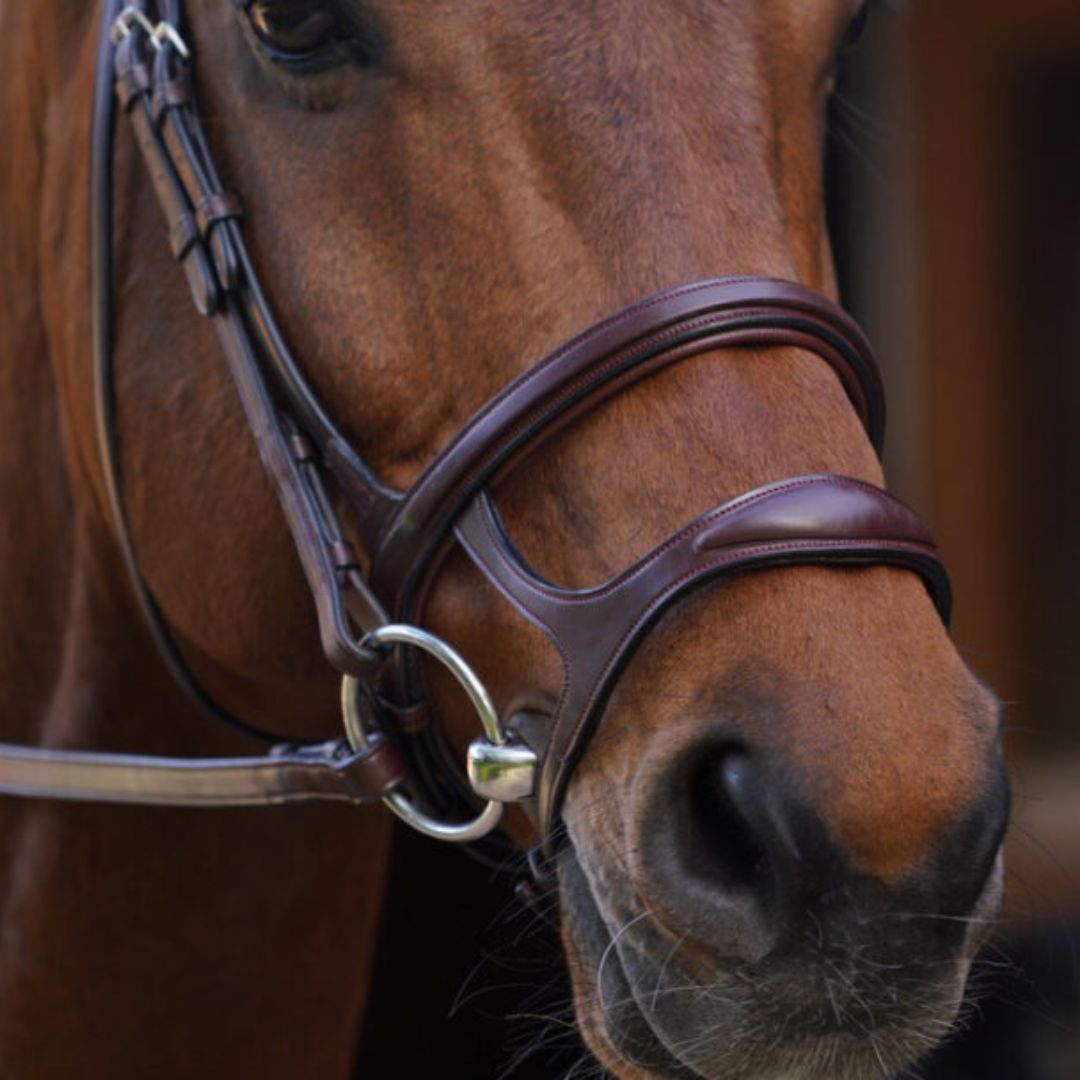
(210, 211)
(219, 206)
(378, 771)
(205, 293)
(409, 719)
(413, 719)
(170, 94)
(132, 82)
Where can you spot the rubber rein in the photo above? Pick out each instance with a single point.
(371, 625)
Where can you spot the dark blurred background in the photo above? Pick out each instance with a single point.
(954, 200)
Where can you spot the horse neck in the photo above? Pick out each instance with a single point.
(35, 550)
(73, 637)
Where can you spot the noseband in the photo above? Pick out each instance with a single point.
(371, 616)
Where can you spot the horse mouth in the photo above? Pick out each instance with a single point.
(828, 1009)
(612, 1011)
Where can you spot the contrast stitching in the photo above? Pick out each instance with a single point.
(701, 571)
(741, 502)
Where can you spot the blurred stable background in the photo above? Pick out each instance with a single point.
(955, 201)
(954, 198)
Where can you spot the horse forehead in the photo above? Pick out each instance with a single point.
(481, 39)
(557, 18)
(588, 48)
(572, 100)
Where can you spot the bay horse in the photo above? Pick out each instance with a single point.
(774, 827)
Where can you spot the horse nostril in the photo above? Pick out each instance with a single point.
(740, 839)
(738, 861)
(728, 847)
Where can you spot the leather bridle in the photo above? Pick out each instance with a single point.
(371, 619)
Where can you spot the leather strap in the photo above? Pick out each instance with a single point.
(739, 312)
(736, 312)
(203, 222)
(287, 774)
(198, 211)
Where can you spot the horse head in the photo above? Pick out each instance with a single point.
(778, 849)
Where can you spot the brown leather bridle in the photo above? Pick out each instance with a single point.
(369, 618)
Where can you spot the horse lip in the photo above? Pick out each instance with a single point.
(574, 887)
(629, 1028)
(984, 915)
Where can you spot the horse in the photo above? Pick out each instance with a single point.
(774, 839)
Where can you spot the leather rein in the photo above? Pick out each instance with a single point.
(371, 622)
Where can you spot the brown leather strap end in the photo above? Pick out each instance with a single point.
(182, 234)
(302, 449)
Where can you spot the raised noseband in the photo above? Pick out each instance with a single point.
(828, 520)
(817, 519)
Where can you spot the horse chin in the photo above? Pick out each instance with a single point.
(851, 1008)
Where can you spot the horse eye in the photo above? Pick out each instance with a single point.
(855, 29)
(308, 34)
